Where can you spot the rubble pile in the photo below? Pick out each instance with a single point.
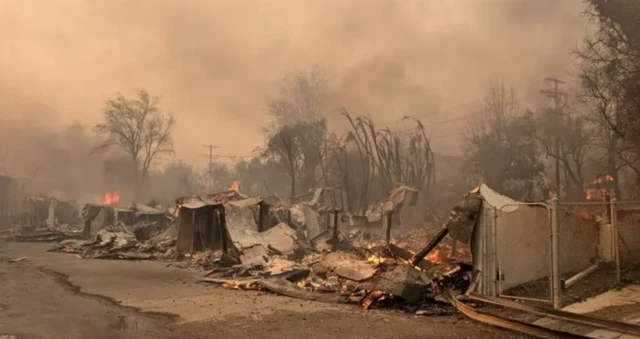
(374, 278)
(117, 242)
(357, 267)
(246, 243)
(43, 234)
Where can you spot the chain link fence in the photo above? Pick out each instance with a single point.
(586, 263)
(598, 248)
(523, 255)
(627, 240)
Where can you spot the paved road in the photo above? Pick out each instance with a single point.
(55, 295)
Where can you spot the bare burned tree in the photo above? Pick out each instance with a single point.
(389, 159)
(138, 127)
(283, 145)
(610, 80)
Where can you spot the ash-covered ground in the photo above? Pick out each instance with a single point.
(54, 295)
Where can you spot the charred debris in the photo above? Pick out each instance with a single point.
(307, 249)
(367, 268)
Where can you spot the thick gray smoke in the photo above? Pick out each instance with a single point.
(217, 62)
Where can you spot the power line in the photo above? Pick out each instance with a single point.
(232, 156)
(460, 117)
(466, 104)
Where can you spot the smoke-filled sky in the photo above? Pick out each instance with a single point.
(216, 62)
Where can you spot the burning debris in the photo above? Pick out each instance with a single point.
(374, 275)
(111, 198)
(371, 278)
(246, 244)
(235, 186)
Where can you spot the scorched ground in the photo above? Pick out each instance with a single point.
(53, 295)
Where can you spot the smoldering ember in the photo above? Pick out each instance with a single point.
(373, 181)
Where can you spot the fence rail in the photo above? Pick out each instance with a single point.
(573, 240)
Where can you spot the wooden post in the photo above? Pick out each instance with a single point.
(334, 245)
(223, 229)
(389, 223)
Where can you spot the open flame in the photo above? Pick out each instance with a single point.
(599, 192)
(444, 252)
(235, 186)
(376, 259)
(110, 198)
(439, 254)
(371, 298)
(242, 285)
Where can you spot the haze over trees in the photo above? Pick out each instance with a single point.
(597, 122)
(509, 142)
(138, 127)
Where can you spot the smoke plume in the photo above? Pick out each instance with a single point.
(216, 63)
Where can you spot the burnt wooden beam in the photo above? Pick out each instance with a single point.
(432, 244)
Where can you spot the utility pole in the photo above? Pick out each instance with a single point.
(556, 95)
(210, 173)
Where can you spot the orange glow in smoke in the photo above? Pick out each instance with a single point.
(111, 198)
(599, 193)
(235, 186)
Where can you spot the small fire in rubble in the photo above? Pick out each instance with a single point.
(241, 285)
(111, 198)
(371, 299)
(377, 298)
(445, 251)
(235, 186)
(376, 259)
(303, 283)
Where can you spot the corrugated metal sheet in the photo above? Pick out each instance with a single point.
(246, 202)
(144, 209)
(493, 198)
(196, 202)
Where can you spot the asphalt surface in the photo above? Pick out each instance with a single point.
(57, 295)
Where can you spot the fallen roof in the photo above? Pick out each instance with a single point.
(245, 202)
(195, 202)
(242, 230)
(495, 199)
(144, 209)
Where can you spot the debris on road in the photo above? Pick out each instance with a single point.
(17, 259)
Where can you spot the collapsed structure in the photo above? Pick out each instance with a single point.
(311, 249)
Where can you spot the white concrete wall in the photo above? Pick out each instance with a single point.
(524, 246)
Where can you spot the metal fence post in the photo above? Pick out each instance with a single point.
(555, 250)
(614, 237)
(496, 258)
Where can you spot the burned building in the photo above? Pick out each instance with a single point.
(10, 196)
(201, 225)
